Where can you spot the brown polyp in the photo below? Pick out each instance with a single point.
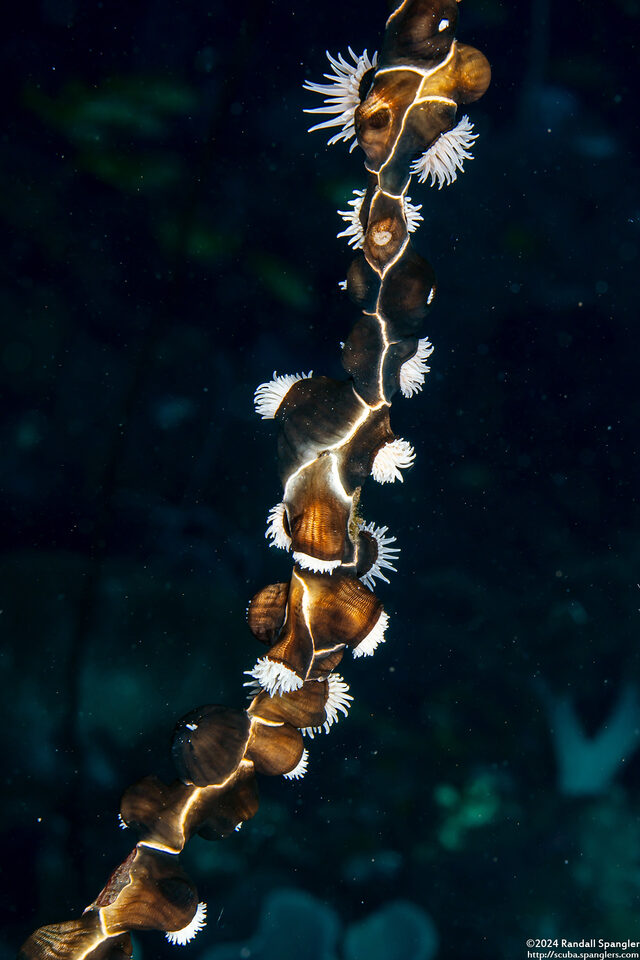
(367, 552)
(314, 415)
(473, 73)
(301, 708)
(159, 896)
(66, 941)
(318, 518)
(425, 122)
(117, 948)
(363, 284)
(217, 812)
(275, 749)
(209, 743)
(146, 799)
(396, 355)
(266, 612)
(378, 120)
(154, 810)
(405, 298)
(412, 36)
(356, 458)
(386, 231)
(117, 881)
(325, 662)
(360, 356)
(320, 529)
(294, 646)
(343, 610)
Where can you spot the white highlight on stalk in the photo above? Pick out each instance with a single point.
(387, 555)
(314, 564)
(341, 94)
(446, 156)
(354, 232)
(300, 768)
(390, 459)
(275, 677)
(122, 823)
(275, 528)
(180, 937)
(338, 701)
(413, 370)
(268, 396)
(374, 638)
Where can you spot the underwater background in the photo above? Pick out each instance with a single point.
(169, 241)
